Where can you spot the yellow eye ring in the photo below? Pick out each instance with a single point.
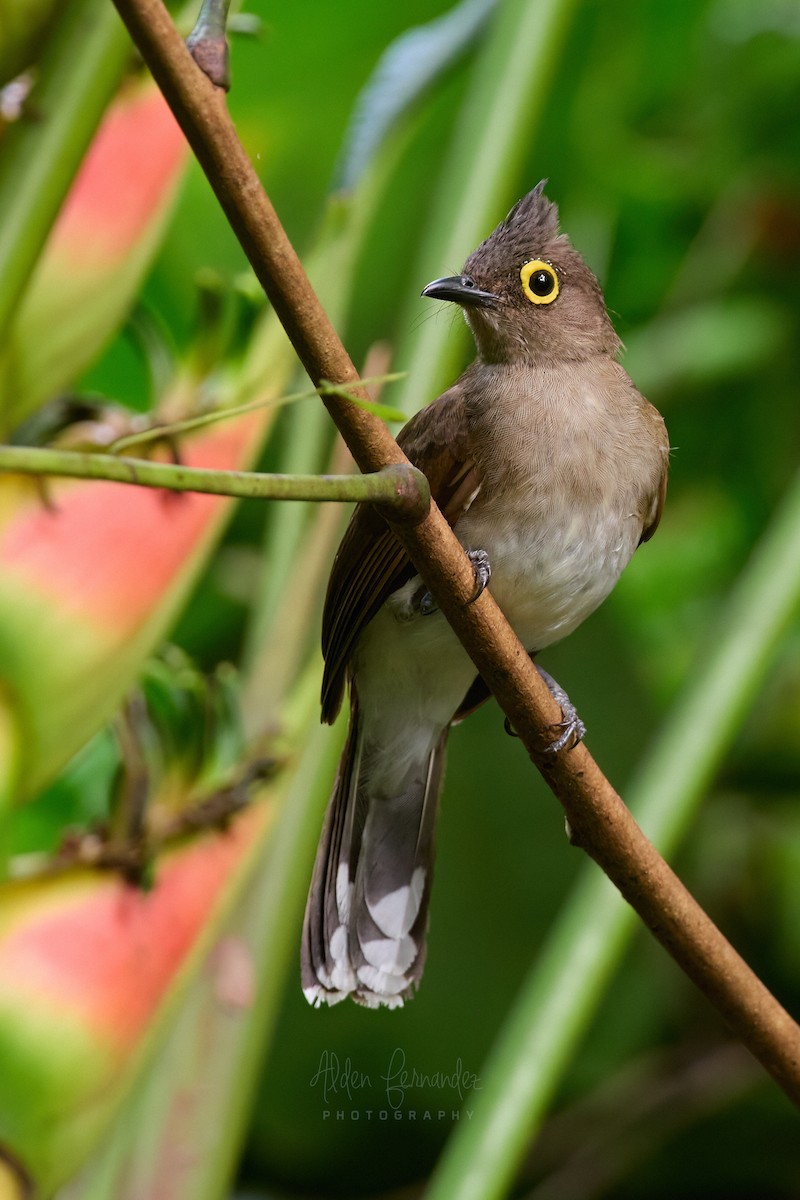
(539, 281)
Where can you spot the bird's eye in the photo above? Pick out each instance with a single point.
(539, 282)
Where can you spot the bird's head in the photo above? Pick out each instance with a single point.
(527, 295)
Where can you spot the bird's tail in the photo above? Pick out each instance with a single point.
(367, 909)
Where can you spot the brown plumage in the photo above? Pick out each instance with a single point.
(542, 455)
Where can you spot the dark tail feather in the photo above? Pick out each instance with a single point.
(367, 910)
(324, 973)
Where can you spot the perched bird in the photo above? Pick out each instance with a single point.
(551, 468)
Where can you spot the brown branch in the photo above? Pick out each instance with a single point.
(600, 822)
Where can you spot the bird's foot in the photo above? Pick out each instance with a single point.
(483, 573)
(571, 727)
(427, 605)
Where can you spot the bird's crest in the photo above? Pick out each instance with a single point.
(534, 214)
(531, 224)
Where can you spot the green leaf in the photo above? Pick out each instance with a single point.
(410, 66)
(384, 411)
(78, 74)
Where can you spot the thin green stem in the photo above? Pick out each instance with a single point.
(157, 433)
(404, 489)
(78, 74)
(568, 981)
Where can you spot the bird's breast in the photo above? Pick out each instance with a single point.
(568, 469)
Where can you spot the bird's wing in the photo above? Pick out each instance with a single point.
(370, 563)
(657, 508)
(653, 517)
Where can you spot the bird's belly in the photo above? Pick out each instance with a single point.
(548, 578)
(412, 672)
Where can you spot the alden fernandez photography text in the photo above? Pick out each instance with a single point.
(403, 1091)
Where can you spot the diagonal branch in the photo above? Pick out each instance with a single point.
(600, 822)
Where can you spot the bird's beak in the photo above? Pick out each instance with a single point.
(461, 290)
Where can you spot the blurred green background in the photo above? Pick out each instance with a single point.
(670, 135)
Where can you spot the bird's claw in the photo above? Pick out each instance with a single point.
(427, 605)
(573, 731)
(483, 573)
(572, 728)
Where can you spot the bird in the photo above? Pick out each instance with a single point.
(551, 469)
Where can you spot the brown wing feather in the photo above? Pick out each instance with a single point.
(658, 508)
(370, 563)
